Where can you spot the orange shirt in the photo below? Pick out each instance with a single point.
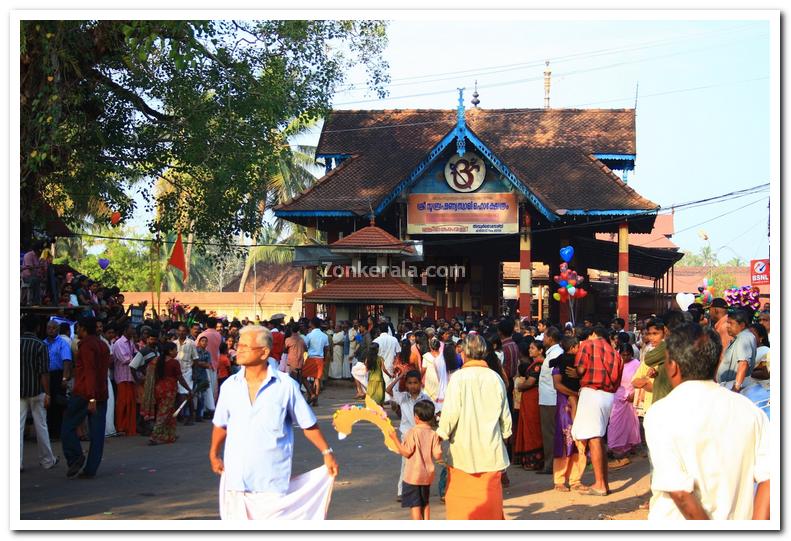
(422, 444)
(223, 366)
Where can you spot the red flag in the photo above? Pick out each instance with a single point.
(177, 259)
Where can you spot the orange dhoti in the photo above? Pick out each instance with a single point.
(474, 496)
(313, 367)
(126, 409)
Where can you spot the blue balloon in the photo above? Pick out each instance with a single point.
(563, 283)
(567, 253)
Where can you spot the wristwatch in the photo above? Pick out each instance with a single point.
(327, 451)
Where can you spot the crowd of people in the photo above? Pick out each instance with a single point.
(475, 396)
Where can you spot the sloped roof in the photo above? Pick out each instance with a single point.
(649, 262)
(540, 146)
(659, 237)
(368, 289)
(274, 277)
(371, 238)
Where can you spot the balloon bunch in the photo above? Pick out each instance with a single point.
(743, 296)
(706, 290)
(569, 281)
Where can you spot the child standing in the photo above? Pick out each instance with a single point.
(420, 448)
(406, 402)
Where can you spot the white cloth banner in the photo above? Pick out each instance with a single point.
(308, 498)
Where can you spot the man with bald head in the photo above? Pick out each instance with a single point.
(253, 422)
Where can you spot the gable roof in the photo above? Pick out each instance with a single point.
(369, 290)
(371, 239)
(539, 146)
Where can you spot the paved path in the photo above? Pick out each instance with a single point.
(136, 481)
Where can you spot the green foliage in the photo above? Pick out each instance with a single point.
(129, 264)
(108, 106)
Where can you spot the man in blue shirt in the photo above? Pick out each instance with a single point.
(317, 345)
(59, 358)
(253, 419)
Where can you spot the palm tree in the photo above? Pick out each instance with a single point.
(295, 172)
(708, 257)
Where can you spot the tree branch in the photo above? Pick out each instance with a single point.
(131, 97)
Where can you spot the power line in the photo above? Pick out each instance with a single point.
(681, 206)
(567, 110)
(536, 78)
(580, 55)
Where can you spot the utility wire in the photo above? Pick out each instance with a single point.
(580, 55)
(677, 207)
(572, 109)
(536, 78)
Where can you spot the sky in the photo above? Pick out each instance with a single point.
(702, 89)
(703, 101)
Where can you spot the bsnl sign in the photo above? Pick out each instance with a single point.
(759, 272)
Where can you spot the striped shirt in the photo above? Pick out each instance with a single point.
(34, 359)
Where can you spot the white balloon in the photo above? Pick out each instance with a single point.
(684, 300)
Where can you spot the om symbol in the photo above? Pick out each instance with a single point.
(461, 174)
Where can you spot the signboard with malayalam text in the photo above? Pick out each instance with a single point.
(478, 213)
(759, 272)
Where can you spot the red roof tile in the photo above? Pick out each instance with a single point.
(372, 237)
(540, 146)
(368, 289)
(657, 238)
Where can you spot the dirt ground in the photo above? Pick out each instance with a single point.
(136, 481)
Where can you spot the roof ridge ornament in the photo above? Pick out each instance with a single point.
(461, 126)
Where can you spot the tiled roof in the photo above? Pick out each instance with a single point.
(540, 146)
(657, 238)
(372, 237)
(271, 277)
(369, 289)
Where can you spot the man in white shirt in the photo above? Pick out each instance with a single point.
(709, 446)
(542, 328)
(388, 349)
(547, 396)
(187, 353)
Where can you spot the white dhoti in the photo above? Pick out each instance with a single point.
(593, 414)
(187, 374)
(336, 364)
(211, 392)
(109, 420)
(308, 498)
(360, 373)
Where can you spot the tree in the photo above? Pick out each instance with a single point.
(108, 106)
(128, 269)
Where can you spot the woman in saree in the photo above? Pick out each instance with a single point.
(376, 370)
(163, 377)
(623, 432)
(529, 444)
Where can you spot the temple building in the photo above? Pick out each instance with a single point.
(472, 190)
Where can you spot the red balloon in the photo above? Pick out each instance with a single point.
(581, 293)
(115, 217)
